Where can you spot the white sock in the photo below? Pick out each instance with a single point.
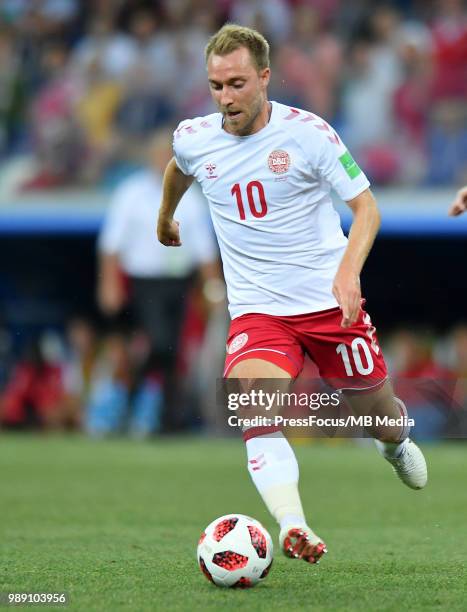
(292, 520)
(273, 468)
(391, 449)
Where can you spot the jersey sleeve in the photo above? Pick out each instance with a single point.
(335, 164)
(181, 154)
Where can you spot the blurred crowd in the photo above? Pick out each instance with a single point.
(98, 377)
(91, 380)
(83, 84)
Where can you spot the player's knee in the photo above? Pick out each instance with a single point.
(395, 423)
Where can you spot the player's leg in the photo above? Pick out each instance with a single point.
(379, 403)
(392, 441)
(351, 359)
(273, 466)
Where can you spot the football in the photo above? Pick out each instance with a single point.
(235, 551)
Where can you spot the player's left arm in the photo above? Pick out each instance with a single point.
(459, 205)
(365, 225)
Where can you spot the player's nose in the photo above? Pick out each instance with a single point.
(225, 98)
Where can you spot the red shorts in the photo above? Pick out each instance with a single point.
(347, 358)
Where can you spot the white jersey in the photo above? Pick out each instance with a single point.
(269, 195)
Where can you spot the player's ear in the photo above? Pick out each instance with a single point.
(264, 76)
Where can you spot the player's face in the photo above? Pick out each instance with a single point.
(239, 90)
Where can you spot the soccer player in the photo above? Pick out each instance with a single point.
(292, 276)
(459, 205)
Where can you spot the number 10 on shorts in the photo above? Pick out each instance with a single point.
(356, 345)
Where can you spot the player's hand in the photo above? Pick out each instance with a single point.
(346, 290)
(168, 232)
(460, 203)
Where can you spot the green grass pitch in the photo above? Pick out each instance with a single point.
(116, 524)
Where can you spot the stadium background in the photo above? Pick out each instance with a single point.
(83, 85)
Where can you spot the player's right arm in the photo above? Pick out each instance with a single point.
(175, 185)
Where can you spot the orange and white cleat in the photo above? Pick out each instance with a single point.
(302, 543)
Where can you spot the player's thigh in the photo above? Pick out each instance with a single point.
(264, 342)
(258, 368)
(347, 358)
(388, 414)
(378, 401)
(261, 383)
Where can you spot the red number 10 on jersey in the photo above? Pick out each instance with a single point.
(253, 188)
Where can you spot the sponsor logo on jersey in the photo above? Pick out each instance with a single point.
(279, 161)
(237, 343)
(211, 170)
(349, 165)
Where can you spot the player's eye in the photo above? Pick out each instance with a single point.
(238, 85)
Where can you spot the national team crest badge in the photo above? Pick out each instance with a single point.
(279, 161)
(237, 343)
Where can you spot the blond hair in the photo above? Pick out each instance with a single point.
(231, 37)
